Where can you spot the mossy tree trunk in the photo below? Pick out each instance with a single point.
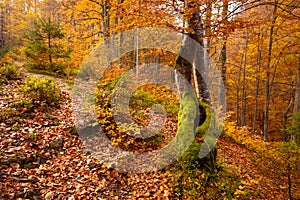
(189, 49)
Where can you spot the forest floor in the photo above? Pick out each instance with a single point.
(264, 184)
(42, 157)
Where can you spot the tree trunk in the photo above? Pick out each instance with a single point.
(244, 95)
(105, 18)
(297, 94)
(207, 27)
(186, 69)
(286, 116)
(117, 42)
(196, 24)
(2, 24)
(237, 94)
(49, 46)
(258, 63)
(268, 76)
(223, 54)
(222, 61)
(297, 97)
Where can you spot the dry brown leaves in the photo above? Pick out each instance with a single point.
(44, 159)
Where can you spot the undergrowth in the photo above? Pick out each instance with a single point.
(9, 72)
(279, 161)
(141, 100)
(40, 90)
(223, 183)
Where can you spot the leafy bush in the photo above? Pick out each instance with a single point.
(146, 97)
(9, 72)
(223, 183)
(57, 70)
(41, 90)
(294, 128)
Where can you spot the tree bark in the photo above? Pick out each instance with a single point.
(105, 18)
(223, 54)
(238, 101)
(258, 66)
(286, 116)
(2, 24)
(186, 69)
(222, 61)
(49, 44)
(244, 95)
(297, 97)
(268, 75)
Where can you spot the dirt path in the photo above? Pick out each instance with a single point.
(45, 159)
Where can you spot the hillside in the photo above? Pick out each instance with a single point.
(42, 157)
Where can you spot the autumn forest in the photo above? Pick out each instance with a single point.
(222, 113)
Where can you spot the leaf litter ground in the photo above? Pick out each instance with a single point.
(41, 157)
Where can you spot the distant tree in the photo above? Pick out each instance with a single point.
(44, 48)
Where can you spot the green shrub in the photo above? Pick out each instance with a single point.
(294, 128)
(9, 72)
(57, 70)
(71, 73)
(224, 183)
(41, 90)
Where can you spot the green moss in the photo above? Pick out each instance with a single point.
(186, 123)
(189, 109)
(201, 130)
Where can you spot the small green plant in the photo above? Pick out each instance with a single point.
(15, 127)
(129, 127)
(198, 183)
(7, 114)
(33, 134)
(9, 72)
(140, 117)
(227, 184)
(187, 184)
(155, 140)
(41, 90)
(141, 99)
(28, 166)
